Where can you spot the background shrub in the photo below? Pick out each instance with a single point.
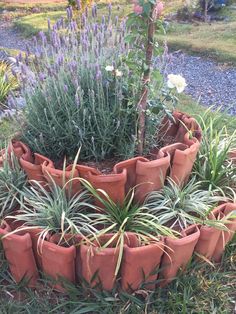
(8, 82)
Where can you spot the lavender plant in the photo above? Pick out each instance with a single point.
(79, 91)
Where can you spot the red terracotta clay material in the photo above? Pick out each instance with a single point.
(36, 245)
(87, 265)
(188, 124)
(178, 253)
(84, 171)
(98, 265)
(176, 130)
(140, 265)
(4, 228)
(113, 184)
(150, 176)
(60, 177)
(130, 166)
(209, 236)
(169, 127)
(19, 149)
(232, 156)
(19, 254)
(58, 262)
(34, 169)
(182, 159)
(225, 236)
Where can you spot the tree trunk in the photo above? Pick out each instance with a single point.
(142, 105)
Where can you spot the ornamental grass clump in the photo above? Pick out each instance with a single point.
(118, 219)
(53, 211)
(178, 207)
(213, 167)
(12, 183)
(8, 83)
(78, 90)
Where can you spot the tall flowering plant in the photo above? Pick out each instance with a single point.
(88, 84)
(79, 92)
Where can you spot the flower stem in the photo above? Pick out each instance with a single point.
(142, 104)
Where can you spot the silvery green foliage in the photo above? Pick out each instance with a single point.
(213, 167)
(54, 211)
(12, 182)
(180, 206)
(72, 100)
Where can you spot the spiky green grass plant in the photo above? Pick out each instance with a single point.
(53, 211)
(181, 206)
(213, 167)
(8, 83)
(12, 183)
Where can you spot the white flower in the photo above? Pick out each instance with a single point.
(118, 73)
(109, 68)
(176, 81)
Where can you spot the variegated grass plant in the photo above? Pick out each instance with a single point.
(213, 167)
(180, 206)
(118, 219)
(8, 83)
(12, 182)
(55, 211)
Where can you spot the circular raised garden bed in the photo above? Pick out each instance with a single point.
(79, 260)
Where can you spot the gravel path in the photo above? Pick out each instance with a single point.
(10, 38)
(208, 82)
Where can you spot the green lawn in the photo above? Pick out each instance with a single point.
(29, 6)
(202, 289)
(216, 40)
(188, 105)
(30, 25)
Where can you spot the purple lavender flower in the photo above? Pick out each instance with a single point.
(42, 37)
(109, 9)
(41, 76)
(14, 73)
(95, 29)
(54, 27)
(73, 66)
(77, 100)
(98, 72)
(66, 88)
(11, 101)
(27, 49)
(26, 59)
(78, 4)
(60, 60)
(84, 19)
(94, 11)
(49, 69)
(69, 13)
(20, 58)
